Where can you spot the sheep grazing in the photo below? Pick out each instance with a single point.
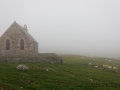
(89, 64)
(109, 67)
(109, 60)
(95, 66)
(22, 67)
(47, 69)
(51, 69)
(91, 80)
(115, 69)
(72, 75)
(105, 66)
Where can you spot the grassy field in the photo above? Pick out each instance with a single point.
(74, 74)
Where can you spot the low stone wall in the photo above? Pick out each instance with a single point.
(31, 59)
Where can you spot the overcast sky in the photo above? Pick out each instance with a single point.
(83, 27)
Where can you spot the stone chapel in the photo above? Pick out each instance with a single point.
(17, 41)
(16, 44)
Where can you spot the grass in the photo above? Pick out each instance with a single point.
(74, 74)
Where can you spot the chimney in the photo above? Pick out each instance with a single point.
(25, 27)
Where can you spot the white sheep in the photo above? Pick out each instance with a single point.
(109, 67)
(91, 80)
(51, 69)
(89, 64)
(105, 66)
(115, 69)
(109, 60)
(47, 69)
(95, 66)
(22, 67)
(72, 75)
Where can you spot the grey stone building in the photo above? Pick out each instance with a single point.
(17, 41)
(16, 44)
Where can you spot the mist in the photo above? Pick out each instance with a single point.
(81, 27)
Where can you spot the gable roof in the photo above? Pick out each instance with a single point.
(26, 32)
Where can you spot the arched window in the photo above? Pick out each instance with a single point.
(21, 44)
(7, 44)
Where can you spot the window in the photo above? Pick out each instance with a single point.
(7, 44)
(21, 44)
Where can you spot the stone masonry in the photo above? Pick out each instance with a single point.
(10, 47)
(14, 34)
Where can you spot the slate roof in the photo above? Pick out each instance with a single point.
(26, 32)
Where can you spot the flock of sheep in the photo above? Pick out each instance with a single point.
(108, 67)
(25, 67)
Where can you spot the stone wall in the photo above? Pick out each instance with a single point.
(31, 59)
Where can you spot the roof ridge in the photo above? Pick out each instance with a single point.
(26, 32)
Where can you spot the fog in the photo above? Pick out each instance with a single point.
(81, 27)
